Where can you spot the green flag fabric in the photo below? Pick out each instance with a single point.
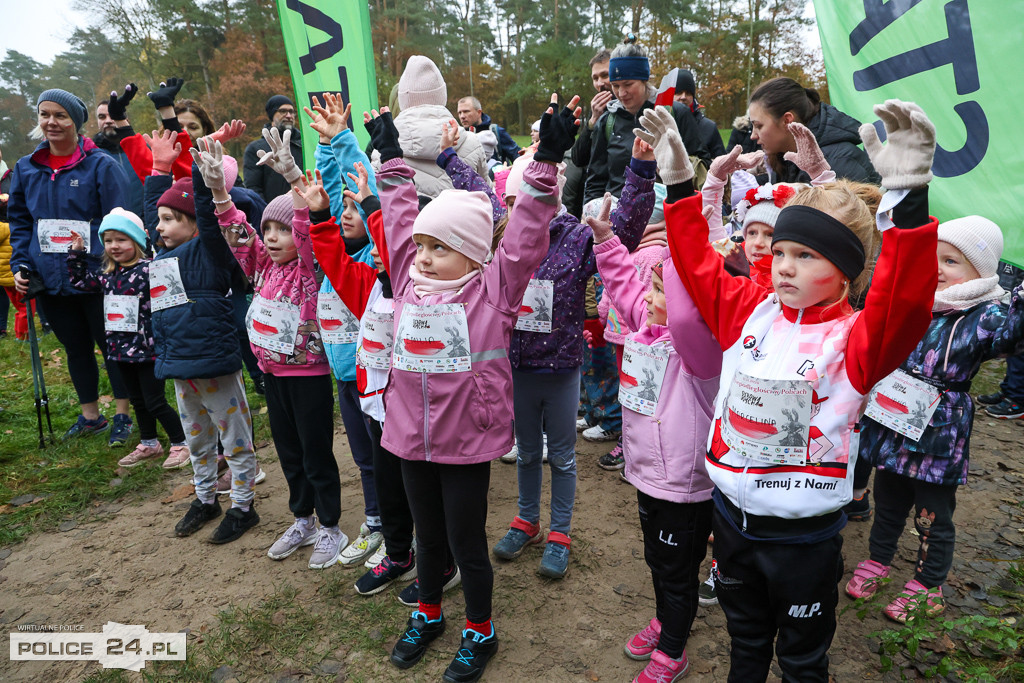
(329, 50)
(956, 60)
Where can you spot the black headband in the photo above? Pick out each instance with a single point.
(819, 231)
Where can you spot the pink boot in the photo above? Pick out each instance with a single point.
(866, 579)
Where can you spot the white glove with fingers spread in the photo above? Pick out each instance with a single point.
(210, 160)
(905, 160)
(660, 132)
(724, 166)
(601, 226)
(279, 157)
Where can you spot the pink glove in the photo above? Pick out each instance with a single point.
(807, 157)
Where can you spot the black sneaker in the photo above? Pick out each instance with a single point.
(707, 596)
(235, 523)
(991, 399)
(382, 575)
(471, 659)
(615, 460)
(120, 430)
(198, 514)
(83, 427)
(419, 633)
(410, 595)
(1006, 410)
(259, 386)
(859, 509)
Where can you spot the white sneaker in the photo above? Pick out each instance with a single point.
(597, 433)
(379, 554)
(512, 455)
(544, 457)
(327, 550)
(582, 424)
(361, 548)
(298, 535)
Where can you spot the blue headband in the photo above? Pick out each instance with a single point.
(629, 69)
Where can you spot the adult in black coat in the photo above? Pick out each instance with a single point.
(686, 95)
(260, 179)
(740, 135)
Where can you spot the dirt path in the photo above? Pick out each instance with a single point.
(122, 563)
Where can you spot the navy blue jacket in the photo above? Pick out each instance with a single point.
(507, 149)
(198, 339)
(85, 189)
(132, 185)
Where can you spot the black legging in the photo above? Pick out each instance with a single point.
(77, 321)
(149, 401)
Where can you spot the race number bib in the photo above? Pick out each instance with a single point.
(538, 305)
(378, 340)
(273, 325)
(55, 236)
(120, 313)
(641, 376)
(338, 325)
(768, 420)
(433, 338)
(165, 286)
(903, 403)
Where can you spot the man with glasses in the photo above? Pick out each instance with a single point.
(282, 114)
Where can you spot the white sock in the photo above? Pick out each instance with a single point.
(150, 443)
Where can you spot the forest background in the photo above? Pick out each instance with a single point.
(508, 53)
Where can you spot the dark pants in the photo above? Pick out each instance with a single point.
(395, 517)
(675, 543)
(78, 323)
(149, 401)
(449, 505)
(239, 309)
(768, 589)
(301, 414)
(1013, 385)
(357, 428)
(933, 507)
(861, 473)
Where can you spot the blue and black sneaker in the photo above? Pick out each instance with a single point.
(470, 661)
(83, 427)
(418, 634)
(120, 430)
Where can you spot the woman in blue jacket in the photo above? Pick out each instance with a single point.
(65, 187)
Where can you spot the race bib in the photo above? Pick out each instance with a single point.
(641, 376)
(538, 305)
(433, 338)
(378, 340)
(903, 403)
(338, 325)
(55, 236)
(768, 420)
(272, 325)
(165, 286)
(120, 313)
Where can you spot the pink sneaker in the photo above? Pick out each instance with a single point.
(224, 480)
(179, 457)
(914, 597)
(641, 645)
(663, 669)
(141, 453)
(866, 579)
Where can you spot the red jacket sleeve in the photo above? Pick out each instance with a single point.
(898, 307)
(351, 279)
(182, 166)
(724, 301)
(375, 226)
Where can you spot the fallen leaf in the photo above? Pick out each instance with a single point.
(8, 431)
(106, 400)
(4, 509)
(180, 493)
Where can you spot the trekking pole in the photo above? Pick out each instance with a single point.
(38, 382)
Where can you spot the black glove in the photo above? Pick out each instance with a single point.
(384, 137)
(164, 97)
(118, 105)
(557, 135)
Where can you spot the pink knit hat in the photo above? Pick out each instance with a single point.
(230, 172)
(515, 175)
(471, 229)
(279, 209)
(421, 83)
(500, 178)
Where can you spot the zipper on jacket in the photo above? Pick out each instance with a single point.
(426, 416)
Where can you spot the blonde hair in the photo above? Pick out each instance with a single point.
(854, 205)
(109, 265)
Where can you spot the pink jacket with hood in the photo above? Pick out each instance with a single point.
(665, 452)
(463, 418)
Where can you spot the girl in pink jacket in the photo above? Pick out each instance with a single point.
(285, 338)
(449, 400)
(667, 387)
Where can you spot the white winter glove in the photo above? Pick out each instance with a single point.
(279, 157)
(210, 160)
(808, 156)
(660, 132)
(724, 166)
(905, 161)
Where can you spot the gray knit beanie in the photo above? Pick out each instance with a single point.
(73, 104)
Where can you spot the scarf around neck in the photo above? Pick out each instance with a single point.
(968, 294)
(426, 286)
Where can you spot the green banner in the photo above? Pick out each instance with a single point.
(956, 59)
(329, 50)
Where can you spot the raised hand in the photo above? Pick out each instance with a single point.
(311, 189)
(279, 157)
(601, 225)
(331, 119)
(642, 151)
(660, 132)
(362, 181)
(905, 160)
(165, 147)
(449, 134)
(164, 96)
(727, 164)
(383, 133)
(808, 156)
(117, 108)
(210, 160)
(77, 242)
(229, 131)
(598, 105)
(558, 132)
